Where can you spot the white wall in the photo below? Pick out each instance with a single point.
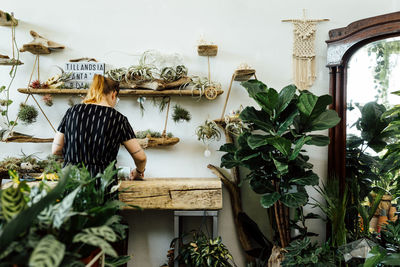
(113, 31)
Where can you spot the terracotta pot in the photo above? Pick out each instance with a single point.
(392, 214)
(385, 204)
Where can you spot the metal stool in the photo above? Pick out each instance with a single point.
(192, 213)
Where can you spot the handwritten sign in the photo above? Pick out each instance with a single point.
(82, 73)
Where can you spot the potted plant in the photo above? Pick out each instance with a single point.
(60, 226)
(274, 151)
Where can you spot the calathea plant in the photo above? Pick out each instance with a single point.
(273, 151)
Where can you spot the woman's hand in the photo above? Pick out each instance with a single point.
(135, 175)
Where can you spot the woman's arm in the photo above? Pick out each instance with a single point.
(58, 144)
(138, 156)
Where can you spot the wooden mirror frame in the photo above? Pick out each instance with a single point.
(342, 44)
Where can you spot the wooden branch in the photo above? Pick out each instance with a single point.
(6, 19)
(244, 74)
(157, 84)
(173, 193)
(162, 141)
(207, 50)
(40, 45)
(10, 62)
(27, 139)
(123, 92)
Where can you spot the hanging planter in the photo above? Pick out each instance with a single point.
(207, 50)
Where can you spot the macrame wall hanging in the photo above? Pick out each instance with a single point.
(304, 73)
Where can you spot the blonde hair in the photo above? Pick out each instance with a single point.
(100, 86)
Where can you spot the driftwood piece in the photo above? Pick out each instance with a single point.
(162, 141)
(7, 61)
(173, 193)
(27, 139)
(244, 74)
(157, 84)
(6, 19)
(40, 45)
(87, 59)
(207, 50)
(276, 258)
(123, 92)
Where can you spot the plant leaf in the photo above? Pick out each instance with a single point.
(269, 199)
(62, 212)
(94, 240)
(49, 252)
(326, 120)
(294, 200)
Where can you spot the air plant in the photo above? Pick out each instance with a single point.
(27, 113)
(48, 100)
(58, 80)
(163, 103)
(35, 84)
(235, 127)
(180, 114)
(168, 74)
(116, 74)
(181, 71)
(208, 132)
(201, 84)
(141, 101)
(154, 134)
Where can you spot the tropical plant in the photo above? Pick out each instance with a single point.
(273, 152)
(57, 227)
(202, 251)
(366, 171)
(334, 207)
(303, 253)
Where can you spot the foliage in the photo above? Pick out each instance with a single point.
(208, 131)
(155, 134)
(180, 114)
(27, 113)
(201, 84)
(59, 226)
(204, 252)
(335, 210)
(278, 168)
(364, 171)
(304, 253)
(383, 51)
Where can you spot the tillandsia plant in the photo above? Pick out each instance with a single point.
(180, 114)
(208, 132)
(274, 151)
(44, 226)
(201, 84)
(154, 134)
(27, 113)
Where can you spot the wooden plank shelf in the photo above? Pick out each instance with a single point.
(173, 193)
(122, 92)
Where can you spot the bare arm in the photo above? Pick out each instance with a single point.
(138, 156)
(58, 144)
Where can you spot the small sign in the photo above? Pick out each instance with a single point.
(82, 73)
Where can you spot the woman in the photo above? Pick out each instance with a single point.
(91, 133)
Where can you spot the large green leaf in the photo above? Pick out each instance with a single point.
(268, 200)
(298, 146)
(256, 140)
(281, 167)
(229, 147)
(12, 202)
(284, 126)
(95, 241)
(259, 117)
(24, 219)
(318, 140)
(392, 259)
(285, 96)
(267, 100)
(229, 161)
(48, 253)
(310, 178)
(254, 86)
(375, 256)
(294, 200)
(282, 144)
(62, 212)
(307, 103)
(325, 120)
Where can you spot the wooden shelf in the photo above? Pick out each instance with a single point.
(122, 92)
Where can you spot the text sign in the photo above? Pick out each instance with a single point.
(82, 73)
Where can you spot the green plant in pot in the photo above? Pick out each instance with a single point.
(274, 151)
(60, 226)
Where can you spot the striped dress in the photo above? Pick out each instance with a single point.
(93, 135)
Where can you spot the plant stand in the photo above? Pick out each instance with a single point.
(178, 214)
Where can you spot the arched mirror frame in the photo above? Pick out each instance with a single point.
(342, 44)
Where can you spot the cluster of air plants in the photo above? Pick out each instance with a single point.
(27, 113)
(202, 84)
(150, 133)
(58, 81)
(180, 114)
(208, 131)
(151, 67)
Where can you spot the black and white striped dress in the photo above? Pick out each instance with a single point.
(92, 136)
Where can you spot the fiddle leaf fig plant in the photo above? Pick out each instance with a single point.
(274, 150)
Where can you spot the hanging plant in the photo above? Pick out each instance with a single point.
(208, 132)
(27, 113)
(48, 100)
(203, 84)
(180, 114)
